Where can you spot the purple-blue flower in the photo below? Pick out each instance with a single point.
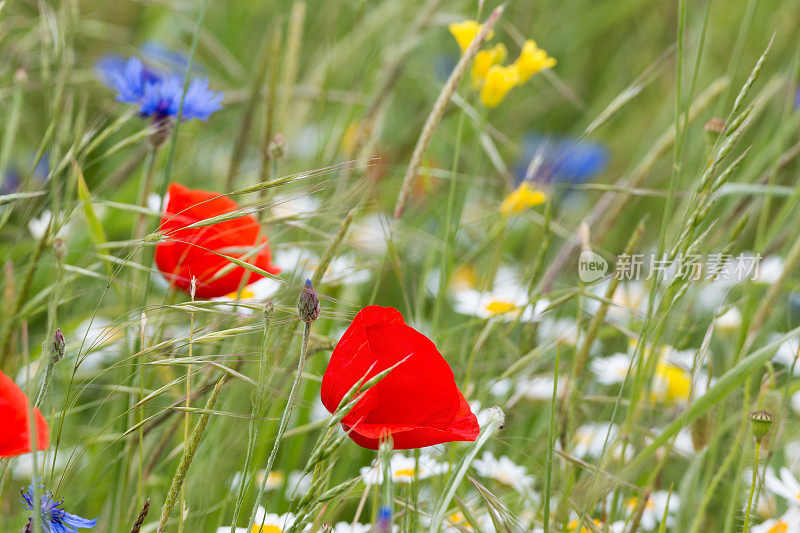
(158, 93)
(52, 517)
(563, 160)
(11, 178)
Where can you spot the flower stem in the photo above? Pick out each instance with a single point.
(752, 488)
(287, 413)
(258, 402)
(496, 420)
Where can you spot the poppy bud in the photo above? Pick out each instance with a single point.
(760, 424)
(59, 346)
(269, 308)
(308, 305)
(714, 125)
(714, 128)
(277, 147)
(59, 249)
(20, 75)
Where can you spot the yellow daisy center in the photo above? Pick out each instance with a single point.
(674, 382)
(246, 294)
(265, 529)
(464, 277)
(498, 307)
(404, 472)
(779, 527)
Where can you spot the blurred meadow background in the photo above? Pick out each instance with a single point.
(662, 128)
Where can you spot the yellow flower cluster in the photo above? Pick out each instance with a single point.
(489, 75)
(521, 199)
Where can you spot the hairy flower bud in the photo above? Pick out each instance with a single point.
(59, 249)
(308, 305)
(277, 147)
(59, 346)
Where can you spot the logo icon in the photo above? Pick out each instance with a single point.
(591, 266)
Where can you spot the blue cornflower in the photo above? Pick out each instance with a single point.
(53, 518)
(563, 160)
(11, 179)
(157, 93)
(384, 522)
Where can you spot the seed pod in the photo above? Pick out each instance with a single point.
(760, 424)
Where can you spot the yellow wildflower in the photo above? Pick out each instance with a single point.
(671, 384)
(465, 31)
(531, 60)
(499, 80)
(485, 60)
(522, 198)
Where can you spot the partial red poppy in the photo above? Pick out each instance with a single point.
(15, 436)
(418, 402)
(187, 252)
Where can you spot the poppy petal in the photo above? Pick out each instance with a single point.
(14, 417)
(418, 402)
(190, 252)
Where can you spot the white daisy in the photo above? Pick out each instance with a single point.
(403, 469)
(458, 523)
(294, 206)
(347, 527)
(786, 354)
(672, 382)
(655, 508)
(154, 202)
(769, 270)
(629, 301)
(729, 321)
(22, 465)
(275, 480)
(561, 330)
(612, 369)
(297, 484)
(341, 271)
(98, 339)
(307, 142)
(786, 486)
(508, 300)
(501, 387)
(253, 297)
(537, 388)
(788, 523)
(370, 234)
(504, 471)
(38, 226)
(265, 523)
(590, 439)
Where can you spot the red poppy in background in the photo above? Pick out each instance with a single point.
(186, 252)
(15, 437)
(418, 402)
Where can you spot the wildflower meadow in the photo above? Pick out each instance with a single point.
(400, 266)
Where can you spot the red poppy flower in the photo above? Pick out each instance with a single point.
(14, 430)
(186, 252)
(418, 402)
